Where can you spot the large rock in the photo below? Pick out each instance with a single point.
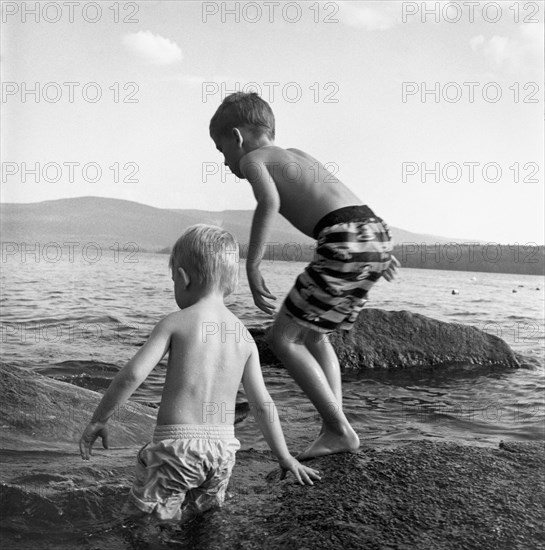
(38, 412)
(417, 496)
(420, 495)
(400, 339)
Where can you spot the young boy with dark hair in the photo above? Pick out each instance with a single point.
(354, 249)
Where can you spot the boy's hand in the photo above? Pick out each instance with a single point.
(303, 474)
(390, 272)
(89, 436)
(260, 292)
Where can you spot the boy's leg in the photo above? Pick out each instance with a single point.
(211, 492)
(321, 349)
(287, 339)
(318, 344)
(152, 491)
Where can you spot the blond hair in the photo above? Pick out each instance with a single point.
(210, 254)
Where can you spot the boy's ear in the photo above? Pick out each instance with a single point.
(238, 137)
(185, 276)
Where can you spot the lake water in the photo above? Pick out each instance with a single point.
(80, 322)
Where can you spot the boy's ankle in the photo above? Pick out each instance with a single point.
(340, 430)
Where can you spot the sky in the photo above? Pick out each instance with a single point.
(432, 113)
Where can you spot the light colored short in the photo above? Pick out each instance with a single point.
(184, 471)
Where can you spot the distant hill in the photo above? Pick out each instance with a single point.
(105, 221)
(108, 221)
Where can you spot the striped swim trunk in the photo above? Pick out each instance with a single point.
(354, 248)
(184, 471)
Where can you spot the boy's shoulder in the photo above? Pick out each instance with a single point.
(180, 319)
(267, 153)
(275, 154)
(225, 325)
(171, 322)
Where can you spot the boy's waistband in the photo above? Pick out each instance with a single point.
(346, 214)
(193, 431)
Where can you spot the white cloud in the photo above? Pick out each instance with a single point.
(476, 41)
(153, 48)
(499, 49)
(362, 16)
(525, 52)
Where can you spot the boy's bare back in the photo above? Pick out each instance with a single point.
(210, 353)
(209, 349)
(305, 189)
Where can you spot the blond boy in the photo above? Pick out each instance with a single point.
(186, 468)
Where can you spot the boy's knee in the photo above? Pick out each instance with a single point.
(317, 339)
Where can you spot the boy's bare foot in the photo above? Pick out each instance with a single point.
(329, 443)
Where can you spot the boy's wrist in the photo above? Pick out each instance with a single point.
(284, 458)
(256, 252)
(252, 267)
(99, 417)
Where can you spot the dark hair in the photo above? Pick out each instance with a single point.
(243, 109)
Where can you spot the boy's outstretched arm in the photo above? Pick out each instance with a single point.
(124, 384)
(266, 415)
(268, 204)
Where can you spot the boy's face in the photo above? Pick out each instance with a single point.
(231, 148)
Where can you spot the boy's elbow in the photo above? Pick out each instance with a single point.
(130, 378)
(262, 408)
(269, 205)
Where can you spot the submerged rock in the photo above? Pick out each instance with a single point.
(419, 495)
(40, 413)
(400, 339)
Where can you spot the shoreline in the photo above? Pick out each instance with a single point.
(417, 494)
(420, 495)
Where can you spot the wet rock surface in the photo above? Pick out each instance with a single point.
(419, 495)
(39, 412)
(400, 339)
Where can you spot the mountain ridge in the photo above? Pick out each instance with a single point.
(108, 220)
